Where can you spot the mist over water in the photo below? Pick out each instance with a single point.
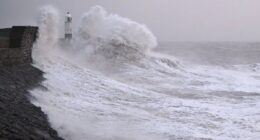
(110, 83)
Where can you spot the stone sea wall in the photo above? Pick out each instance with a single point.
(16, 44)
(19, 118)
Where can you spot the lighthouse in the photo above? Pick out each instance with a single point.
(68, 26)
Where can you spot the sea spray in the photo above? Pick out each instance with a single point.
(112, 37)
(160, 100)
(61, 65)
(48, 22)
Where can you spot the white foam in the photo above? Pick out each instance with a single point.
(46, 44)
(156, 98)
(113, 37)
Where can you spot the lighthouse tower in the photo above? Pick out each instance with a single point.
(68, 26)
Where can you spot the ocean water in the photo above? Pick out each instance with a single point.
(113, 81)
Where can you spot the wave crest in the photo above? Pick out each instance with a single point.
(113, 36)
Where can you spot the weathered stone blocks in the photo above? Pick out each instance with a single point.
(16, 45)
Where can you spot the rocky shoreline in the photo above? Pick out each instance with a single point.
(19, 119)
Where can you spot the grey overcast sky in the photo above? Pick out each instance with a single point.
(169, 20)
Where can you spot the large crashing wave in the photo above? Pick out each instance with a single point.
(102, 40)
(112, 37)
(144, 101)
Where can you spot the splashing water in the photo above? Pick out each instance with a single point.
(48, 34)
(101, 31)
(110, 85)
